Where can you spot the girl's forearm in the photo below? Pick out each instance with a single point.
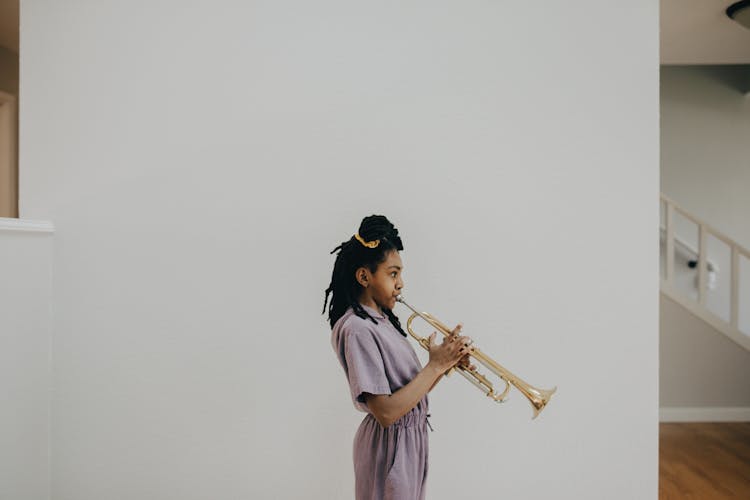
(388, 408)
(440, 377)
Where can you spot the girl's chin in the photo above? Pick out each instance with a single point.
(388, 304)
(384, 305)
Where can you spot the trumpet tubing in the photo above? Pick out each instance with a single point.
(537, 397)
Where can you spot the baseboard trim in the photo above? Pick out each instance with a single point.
(25, 225)
(704, 414)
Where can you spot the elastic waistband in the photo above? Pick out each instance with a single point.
(411, 419)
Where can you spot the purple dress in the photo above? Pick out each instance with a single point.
(389, 463)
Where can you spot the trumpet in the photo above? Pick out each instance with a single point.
(537, 397)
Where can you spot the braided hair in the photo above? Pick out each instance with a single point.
(344, 288)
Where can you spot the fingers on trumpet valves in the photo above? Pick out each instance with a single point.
(466, 344)
(465, 349)
(465, 363)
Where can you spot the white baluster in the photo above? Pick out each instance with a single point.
(702, 251)
(669, 241)
(734, 294)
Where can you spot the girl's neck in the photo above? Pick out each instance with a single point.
(368, 301)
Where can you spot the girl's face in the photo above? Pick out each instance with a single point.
(385, 284)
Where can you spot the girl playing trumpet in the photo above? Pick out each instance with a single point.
(386, 379)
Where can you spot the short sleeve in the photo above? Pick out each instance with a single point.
(366, 369)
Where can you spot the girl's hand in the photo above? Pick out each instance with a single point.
(465, 362)
(454, 347)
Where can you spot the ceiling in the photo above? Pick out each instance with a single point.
(699, 32)
(692, 32)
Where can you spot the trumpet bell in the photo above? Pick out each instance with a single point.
(539, 399)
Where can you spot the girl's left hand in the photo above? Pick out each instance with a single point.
(465, 362)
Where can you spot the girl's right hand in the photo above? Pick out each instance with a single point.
(454, 347)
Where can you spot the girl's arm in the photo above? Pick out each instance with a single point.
(387, 408)
(436, 382)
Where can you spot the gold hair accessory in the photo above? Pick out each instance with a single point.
(368, 244)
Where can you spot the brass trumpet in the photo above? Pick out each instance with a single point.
(538, 397)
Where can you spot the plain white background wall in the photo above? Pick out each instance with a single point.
(201, 159)
(25, 301)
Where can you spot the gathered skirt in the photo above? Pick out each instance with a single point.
(392, 463)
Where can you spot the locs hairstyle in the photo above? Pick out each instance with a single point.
(344, 288)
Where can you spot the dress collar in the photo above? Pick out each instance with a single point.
(374, 312)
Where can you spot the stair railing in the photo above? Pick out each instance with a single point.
(704, 230)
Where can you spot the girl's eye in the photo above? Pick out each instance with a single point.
(393, 274)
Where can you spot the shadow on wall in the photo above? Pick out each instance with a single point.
(733, 76)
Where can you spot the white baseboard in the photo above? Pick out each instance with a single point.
(10, 224)
(704, 414)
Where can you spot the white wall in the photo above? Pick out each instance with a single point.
(705, 123)
(705, 152)
(705, 118)
(200, 161)
(25, 301)
(699, 366)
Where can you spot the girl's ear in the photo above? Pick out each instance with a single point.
(362, 275)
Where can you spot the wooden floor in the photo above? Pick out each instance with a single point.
(704, 460)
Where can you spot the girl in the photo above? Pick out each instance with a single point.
(385, 376)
